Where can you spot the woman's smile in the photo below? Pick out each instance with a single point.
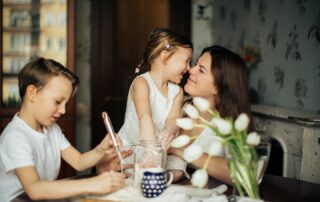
(191, 80)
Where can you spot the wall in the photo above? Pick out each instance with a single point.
(201, 26)
(287, 34)
(83, 45)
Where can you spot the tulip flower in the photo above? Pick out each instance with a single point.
(201, 103)
(241, 122)
(224, 127)
(191, 111)
(192, 153)
(180, 141)
(215, 148)
(253, 138)
(184, 123)
(233, 134)
(199, 178)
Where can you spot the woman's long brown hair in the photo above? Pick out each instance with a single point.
(230, 78)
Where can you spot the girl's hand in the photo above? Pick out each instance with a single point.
(166, 138)
(107, 182)
(106, 145)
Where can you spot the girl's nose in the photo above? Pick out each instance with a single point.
(187, 69)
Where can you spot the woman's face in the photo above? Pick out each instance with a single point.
(201, 81)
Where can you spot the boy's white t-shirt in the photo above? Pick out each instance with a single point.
(21, 146)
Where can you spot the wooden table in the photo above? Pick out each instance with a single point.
(273, 188)
(276, 188)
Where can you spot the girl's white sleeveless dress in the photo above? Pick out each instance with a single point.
(160, 107)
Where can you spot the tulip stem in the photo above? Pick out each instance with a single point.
(214, 113)
(206, 162)
(194, 137)
(199, 126)
(204, 120)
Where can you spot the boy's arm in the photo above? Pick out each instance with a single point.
(89, 159)
(44, 189)
(140, 97)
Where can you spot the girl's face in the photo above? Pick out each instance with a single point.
(178, 64)
(201, 81)
(51, 100)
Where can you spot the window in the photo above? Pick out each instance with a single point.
(62, 19)
(24, 38)
(48, 44)
(20, 19)
(48, 19)
(62, 44)
(16, 64)
(19, 42)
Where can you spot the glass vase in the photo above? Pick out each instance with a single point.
(247, 166)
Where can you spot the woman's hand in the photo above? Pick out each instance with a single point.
(106, 182)
(112, 162)
(176, 151)
(177, 175)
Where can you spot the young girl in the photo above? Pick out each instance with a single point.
(155, 99)
(32, 144)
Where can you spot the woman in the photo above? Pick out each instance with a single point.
(220, 77)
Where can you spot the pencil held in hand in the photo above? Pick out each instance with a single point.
(108, 124)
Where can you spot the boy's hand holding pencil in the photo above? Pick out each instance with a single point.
(106, 145)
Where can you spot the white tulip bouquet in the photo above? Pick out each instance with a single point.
(240, 146)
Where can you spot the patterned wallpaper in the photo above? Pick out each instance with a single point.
(286, 33)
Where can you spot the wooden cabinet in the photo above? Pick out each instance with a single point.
(31, 29)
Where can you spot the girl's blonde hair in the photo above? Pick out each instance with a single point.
(161, 39)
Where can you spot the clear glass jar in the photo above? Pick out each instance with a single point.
(148, 154)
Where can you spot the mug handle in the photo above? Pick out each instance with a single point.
(170, 178)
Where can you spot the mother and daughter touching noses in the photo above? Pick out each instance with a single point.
(32, 144)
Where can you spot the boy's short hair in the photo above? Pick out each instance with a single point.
(39, 71)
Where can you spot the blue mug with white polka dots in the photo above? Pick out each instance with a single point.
(154, 181)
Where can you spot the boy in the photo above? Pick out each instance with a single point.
(32, 144)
